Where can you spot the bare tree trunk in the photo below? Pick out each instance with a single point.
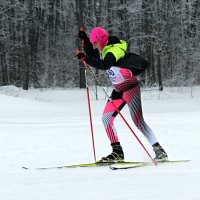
(79, 17)
(148, 41)
(158, 49)
(4, 71)
(27, 38)
(26, 70)
(159, 73)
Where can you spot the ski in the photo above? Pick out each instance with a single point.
(95, 164)
(112, 165)
(116, 167)
(131, 166)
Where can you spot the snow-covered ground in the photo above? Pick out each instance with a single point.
(41, 128)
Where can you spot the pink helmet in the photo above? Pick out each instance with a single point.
(99, 34)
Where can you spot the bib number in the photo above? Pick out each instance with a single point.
(115, 75)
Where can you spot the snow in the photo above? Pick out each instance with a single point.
(40, 128)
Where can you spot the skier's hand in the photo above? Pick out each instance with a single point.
(80, 54)
(82, 35)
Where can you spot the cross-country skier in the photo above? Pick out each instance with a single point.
(105, 52)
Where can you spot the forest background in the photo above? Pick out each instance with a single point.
(38, 38)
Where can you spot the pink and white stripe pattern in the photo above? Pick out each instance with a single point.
(130, 89)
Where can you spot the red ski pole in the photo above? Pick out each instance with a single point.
(88, 100)
(153, 160)
(93, 75)
(89, 108)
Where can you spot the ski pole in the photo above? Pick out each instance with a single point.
(94, 76)
(88, 100)
(90, 113)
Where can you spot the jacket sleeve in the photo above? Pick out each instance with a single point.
(105, 64)
(88, 48)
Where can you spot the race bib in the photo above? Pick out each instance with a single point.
(115, 75)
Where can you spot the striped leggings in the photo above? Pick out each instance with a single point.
(132, 98)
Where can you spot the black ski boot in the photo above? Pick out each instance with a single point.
(161, 155)
(116, 155)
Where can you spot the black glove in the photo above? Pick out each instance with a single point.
(81, 55)
(82, 35)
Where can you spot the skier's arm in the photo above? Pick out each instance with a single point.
(89, 49)
(105, 64)
(87, 45)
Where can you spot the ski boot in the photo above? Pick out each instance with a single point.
(117, 155)
(161, 155)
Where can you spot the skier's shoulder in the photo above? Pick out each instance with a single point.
(115, 46)
(113, 40)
